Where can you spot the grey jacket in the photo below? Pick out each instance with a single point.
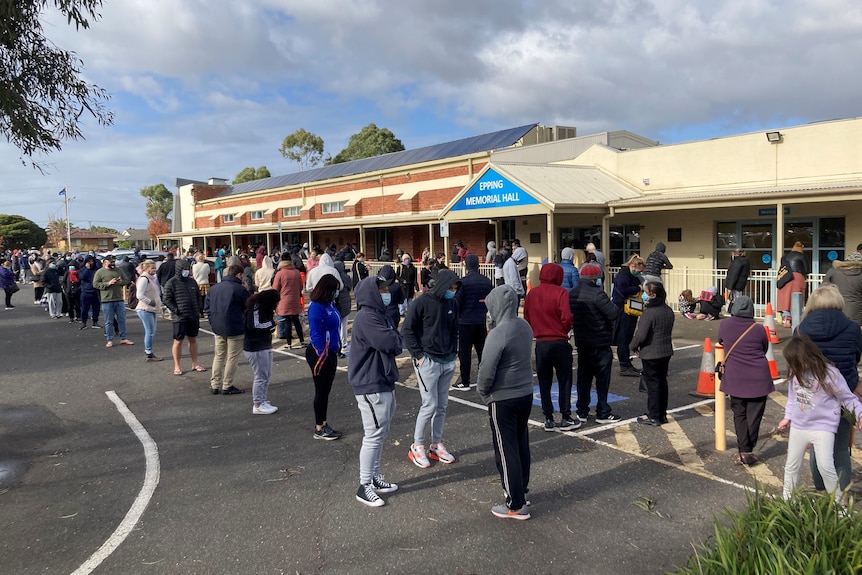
(505, 371)
(652, 339)
(847, 275)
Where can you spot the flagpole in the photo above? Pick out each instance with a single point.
(68, 227)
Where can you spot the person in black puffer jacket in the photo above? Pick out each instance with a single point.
(471, 318)
(260, 322)
(840, 340)
(182, 297)
(737, 276)
(655, 263)
(594, 317)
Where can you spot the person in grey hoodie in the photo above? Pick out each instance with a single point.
(372, 373)
(505, 384)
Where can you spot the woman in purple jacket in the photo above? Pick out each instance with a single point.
(746, 378)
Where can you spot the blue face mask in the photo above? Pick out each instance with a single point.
(336, 294)
(449, 294)
(599, 282)
(645, 297)
(387, 298)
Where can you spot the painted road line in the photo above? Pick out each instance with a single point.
(682, 445)
(626, 439)
(605, 427)
(151, 480)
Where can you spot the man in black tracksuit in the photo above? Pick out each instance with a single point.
(471, 318)
(594, 315)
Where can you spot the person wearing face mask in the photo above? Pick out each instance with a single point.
(110, 281)
(627, 284)
(593, 316)
(149, 305)
(512, 278)
(431, 335)
(89, 295)
(72, 289)
(652, 343)
(181, 296)
(54, 289)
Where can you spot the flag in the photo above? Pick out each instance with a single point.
(63, 191)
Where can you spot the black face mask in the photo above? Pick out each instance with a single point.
(111, 266)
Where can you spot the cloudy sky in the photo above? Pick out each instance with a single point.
(204, 88)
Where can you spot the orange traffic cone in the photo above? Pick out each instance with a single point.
(529, 286)
(706, 379)
(770, 358)
(769, 324)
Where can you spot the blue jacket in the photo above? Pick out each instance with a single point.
(571, 276)
(226, 304)
(625, 286)
(838, 337)
(85, 276)
(324, 323)
(371, 367)
(471, 298)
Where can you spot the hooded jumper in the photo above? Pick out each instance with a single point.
(471, 297)
(546, 307)
(181, 295)
(323, 267)
(505, 371)
(838, 337)
(371, 367)
(847, 275)
(657, 261)
(431, 325)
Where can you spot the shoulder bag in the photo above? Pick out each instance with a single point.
(783, 277)
(719, 369)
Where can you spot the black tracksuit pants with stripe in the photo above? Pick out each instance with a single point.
(508, 419)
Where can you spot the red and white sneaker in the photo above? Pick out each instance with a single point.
(438, 453)
(418, 457)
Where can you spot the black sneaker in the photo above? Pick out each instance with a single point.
(83, 326)
(232, 391)
(366, 494)
(153, 357)
(549, 424)
(460, 386)
(569, 424)
(609, 418)
(383, 486)
(216, 391)
(326, 433)
(96, 326)
(629, 371)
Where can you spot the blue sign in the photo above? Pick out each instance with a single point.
(832, 255)
(493, 191)
(766, 258)
(555, 397)
(771, 211)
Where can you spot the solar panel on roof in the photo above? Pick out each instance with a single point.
(471, 145)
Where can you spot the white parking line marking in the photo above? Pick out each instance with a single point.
(151, 480)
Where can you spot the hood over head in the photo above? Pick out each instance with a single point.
(492, 245)
(386, 274)
(742, 307)
(180, 265)
(326, 260)
(568, 254)
(502, 304)
(266, 264)
(660, 247)
(471, 262)
(551, 273)
(368, 294)
(339, 265)
(445, 279)
(519, 254)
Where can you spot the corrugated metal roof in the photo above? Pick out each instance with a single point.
(472, 145)
(567, 185)
(715, 196)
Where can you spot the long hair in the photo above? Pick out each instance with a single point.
(324, 291)
(265, 300)
(804, 357)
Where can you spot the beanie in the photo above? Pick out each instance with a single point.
(590, 272)
(743, 307)
(568, 254)
(471, 262)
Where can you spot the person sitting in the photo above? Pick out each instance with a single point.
(711, 303)
(687, 304)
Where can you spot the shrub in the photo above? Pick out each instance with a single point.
(810, 534)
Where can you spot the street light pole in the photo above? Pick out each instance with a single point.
(68, 226)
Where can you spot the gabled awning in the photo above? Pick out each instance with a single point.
(504, 190)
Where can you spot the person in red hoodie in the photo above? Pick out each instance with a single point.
(547, 310)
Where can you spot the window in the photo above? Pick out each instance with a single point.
(290, 212)
(331, 207)
(227, 218)
(256, 215)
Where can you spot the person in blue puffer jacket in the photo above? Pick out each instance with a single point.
(571, 276)
(840, 340)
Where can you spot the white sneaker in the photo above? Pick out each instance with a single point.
(439, 453)
(418, 457)
(266, 408)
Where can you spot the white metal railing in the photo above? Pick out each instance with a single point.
(760, 287)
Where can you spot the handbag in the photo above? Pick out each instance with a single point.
(13, 288)
(783, 277)
(634, 305)
(719, 368)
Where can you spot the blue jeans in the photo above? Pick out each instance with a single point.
(148, 318)
(594, 362)
(111, 310)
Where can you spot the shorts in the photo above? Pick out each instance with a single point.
(185, 328)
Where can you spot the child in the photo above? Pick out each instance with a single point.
(711, 303)
(686, 304)
(816, 392)
(260, 322)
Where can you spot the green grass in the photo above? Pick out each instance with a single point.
(809, 535)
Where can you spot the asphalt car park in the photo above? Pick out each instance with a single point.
(200, 485)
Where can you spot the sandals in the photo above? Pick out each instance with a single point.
(178, 372)
(199, 368)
